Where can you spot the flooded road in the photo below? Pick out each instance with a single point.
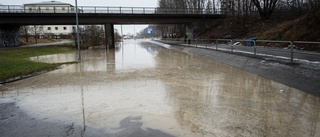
(142, 89)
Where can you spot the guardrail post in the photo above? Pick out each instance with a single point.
(107, 9)
(9, 9)
(255, 47)
(95, 9)
(291, 44)
(216, 44)
(132, 10)
(231, 45)
(195, 42)
(206, 43)
(54, 9)
(120, 10)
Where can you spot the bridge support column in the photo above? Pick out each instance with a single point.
(106, 36)
(109, 35)
(112, 36)
(9, 35)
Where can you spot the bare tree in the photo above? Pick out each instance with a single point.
(209, 7)
(265, 7)
(24, 31)
(92, 35)
(36, 30)
(314, 8)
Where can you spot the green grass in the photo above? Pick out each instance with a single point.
(15, 62)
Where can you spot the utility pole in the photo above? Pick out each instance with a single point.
(78, 37)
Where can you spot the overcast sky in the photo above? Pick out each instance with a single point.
(118, 3)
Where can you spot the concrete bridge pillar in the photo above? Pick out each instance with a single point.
(106, 36)
(9, 35)
(109, 35)
(113, 43)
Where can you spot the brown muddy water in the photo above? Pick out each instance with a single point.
(142, 89)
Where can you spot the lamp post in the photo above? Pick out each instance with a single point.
(78, 37)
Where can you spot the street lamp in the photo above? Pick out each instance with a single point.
(78, 37)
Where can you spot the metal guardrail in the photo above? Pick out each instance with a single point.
(99, 9)
(208, 43)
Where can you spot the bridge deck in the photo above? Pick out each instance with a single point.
(94, 18)
(101, 15)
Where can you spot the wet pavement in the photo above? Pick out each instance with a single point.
(142, 89)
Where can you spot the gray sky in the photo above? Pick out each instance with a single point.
(117, 3)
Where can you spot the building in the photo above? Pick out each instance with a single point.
(51, 31)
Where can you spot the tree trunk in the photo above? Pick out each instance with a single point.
(267, 9)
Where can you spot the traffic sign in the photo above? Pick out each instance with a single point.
(149, 30)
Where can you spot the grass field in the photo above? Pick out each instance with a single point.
(15, 62)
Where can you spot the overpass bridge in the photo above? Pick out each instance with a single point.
(14, 16)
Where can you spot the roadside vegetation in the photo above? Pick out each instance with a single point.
(32, 40)
(286, 20)
(94, 35)
(15, 62)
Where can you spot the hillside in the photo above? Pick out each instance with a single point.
(304, 28)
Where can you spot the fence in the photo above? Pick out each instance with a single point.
(236, 45)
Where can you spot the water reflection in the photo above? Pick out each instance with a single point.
(133, 56)
(130, 58)
(55, 58)
(141, 88)
(223, 100)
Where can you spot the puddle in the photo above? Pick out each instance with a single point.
(56, 58)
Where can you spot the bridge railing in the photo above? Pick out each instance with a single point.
(99, 9)
(11, 9)
(250, 46)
